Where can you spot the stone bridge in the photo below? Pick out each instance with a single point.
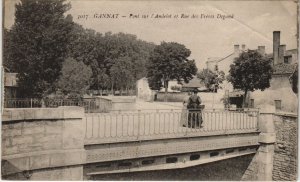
(66, 144)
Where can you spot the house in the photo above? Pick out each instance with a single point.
(10, 85)
(194, 84)
(280, 93)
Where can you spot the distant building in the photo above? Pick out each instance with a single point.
(280, 93)
(194, 84)
(10, 85)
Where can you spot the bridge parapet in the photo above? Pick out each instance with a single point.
(46, 141)
(55, 143)
(138, 125)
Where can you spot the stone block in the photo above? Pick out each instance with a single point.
(52, 145)
(10, 150)
(73, 134)
(266, 148)
(267, 138)
(26, 148)
(14, 125)
(73, 157)
(49, 138)
(41, 161)
(7, 142)
(22, 140)
(267, 109)
(11, 133)
(33, 130)
(33, 124)
(74, 173)
(16, 114)
(53, 129)
(72, 112)
(57, 122)
(49, 113)
(51, 174)
(266, 123)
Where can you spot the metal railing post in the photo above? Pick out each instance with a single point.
(139, 120)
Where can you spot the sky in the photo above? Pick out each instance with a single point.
(252, 24)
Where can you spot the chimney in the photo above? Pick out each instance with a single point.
(281, 53)
(276, 43)
(236, 50)
(261, 50)
(243, 47)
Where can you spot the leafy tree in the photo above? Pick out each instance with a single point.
(101, 52)
(212, 80)
(7, 61)
(169, 61)
(250, 71)
(75, 78)
(39, 39)
(121, 73)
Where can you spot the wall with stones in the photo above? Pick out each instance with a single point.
(42, 141)
(285, 157)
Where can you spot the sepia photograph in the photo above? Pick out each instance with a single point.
(171, 90)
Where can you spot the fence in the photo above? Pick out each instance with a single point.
(91, 105)
(149, 124)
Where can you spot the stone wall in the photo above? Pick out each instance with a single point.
(35, 139)
(261, 166)
(280, 89)
(285, 157)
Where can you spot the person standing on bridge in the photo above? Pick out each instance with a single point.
(194, 110)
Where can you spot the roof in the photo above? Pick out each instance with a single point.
(213, 59)
(225, 57)
(291, 52)
(236, 93)
(287, 53)
(193, 83)
(284, 68)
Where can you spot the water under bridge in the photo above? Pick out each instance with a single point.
(41, 143)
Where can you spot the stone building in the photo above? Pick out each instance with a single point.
(10, 85)
(280, 93)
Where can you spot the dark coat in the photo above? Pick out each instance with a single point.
(194, 102)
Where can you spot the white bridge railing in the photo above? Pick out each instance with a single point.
(121, 126)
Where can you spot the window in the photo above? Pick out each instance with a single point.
(287, 59)
(278, 104)
(216, 68)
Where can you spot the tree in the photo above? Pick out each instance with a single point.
(212, 80)
(101, 52)
(169, 61)
(121, 73)
(38, 44)
(250, 71)
(75, 78)
(6, 51)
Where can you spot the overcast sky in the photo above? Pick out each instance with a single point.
(253, 23)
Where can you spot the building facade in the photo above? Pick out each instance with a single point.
(280, 93)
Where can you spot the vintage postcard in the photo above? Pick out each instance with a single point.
(149, 90)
